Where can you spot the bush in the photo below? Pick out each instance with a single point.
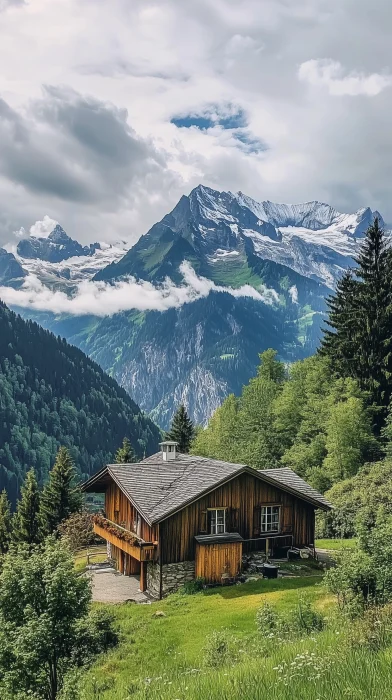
(303, 619)
(372, 631)
(267, 621)
(218, 649)
(300, 620)
(192, 587)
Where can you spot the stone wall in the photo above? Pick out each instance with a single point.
(173, 576)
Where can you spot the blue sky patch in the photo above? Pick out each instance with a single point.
(251, 143)
(227, 117)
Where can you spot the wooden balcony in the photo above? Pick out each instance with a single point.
(124, 539)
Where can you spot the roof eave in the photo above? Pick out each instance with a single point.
(294, 492)
(248, 470)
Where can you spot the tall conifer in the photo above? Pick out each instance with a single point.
(5, 523)
(60, 497)
(360, 318)
(26, 520)
(125, 454)
(181, 430)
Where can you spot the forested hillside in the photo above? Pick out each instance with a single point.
(328, 417)
(51, 394)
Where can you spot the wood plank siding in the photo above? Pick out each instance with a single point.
(121, 511)
(243, 497)
(213, 560)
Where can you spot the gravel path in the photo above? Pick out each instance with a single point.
(111, 587)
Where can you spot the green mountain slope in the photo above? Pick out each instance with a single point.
(51, 394)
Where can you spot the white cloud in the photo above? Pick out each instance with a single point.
(330, 74)
(103, 299)
(293, 291)
(42, 229)
(59, 148)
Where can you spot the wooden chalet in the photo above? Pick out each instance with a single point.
(174, 517)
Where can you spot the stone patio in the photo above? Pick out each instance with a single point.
(111, 587)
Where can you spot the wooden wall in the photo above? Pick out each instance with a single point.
(213, 560)
(243, 497)
(121, 511)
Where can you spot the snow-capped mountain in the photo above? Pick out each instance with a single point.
(312, 239)
(203, 350)
(58, 261)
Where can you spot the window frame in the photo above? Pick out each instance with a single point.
(210, 518)
(269, 518)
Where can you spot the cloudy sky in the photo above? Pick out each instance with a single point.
(110, 110)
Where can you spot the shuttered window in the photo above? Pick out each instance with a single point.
(217, 519)
(270, 518)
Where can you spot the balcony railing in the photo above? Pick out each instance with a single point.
(124, 539)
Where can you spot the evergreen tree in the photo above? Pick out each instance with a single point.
(360, 316)
(26, 520)
(125, 454)
(60, 497)
(181, 430)
(5, 523)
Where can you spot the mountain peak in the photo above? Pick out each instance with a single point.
(58, 246)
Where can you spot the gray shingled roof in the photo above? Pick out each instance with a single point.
(159, 488)
(290, 479)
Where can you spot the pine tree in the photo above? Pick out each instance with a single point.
(125, 454)
(60, 496)
(26, 520)
(5, 523)
(181, 430)
(360, 316)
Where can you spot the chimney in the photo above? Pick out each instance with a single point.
(169, 450)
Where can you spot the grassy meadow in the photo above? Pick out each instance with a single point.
(162, 656)
(336, 545)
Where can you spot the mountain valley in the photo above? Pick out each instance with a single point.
(199, 352)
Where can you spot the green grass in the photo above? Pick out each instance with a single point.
(96, 555)
(336, 545)
(166, 647)
(161, 657)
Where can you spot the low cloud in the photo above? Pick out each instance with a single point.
(103, 299)
(41, 229)
(330, 74)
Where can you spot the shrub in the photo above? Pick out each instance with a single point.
(303, 619)
(194, 586)
(267, 621)
(372, 631)
(218, 649)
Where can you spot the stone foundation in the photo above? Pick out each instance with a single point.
(173, 577)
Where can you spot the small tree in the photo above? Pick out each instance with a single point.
(60, 496)
(45, 625)
(77, 531)
(26, 519)
(125, 454)
(181, 430)
(5, 522)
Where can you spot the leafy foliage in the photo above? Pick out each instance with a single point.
(308, 419)
(357, 500)
(51, 394)
(45, 625)
(181, 429)
(77, 530)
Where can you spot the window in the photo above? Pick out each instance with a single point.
(217, 521)
(270, 518)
